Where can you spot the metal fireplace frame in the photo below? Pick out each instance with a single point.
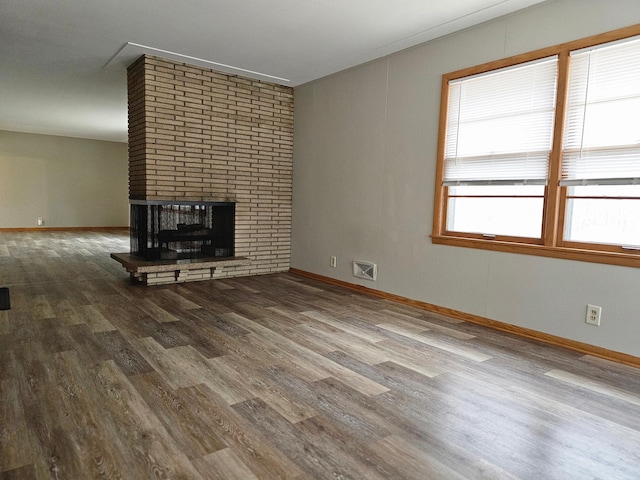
(176, 230)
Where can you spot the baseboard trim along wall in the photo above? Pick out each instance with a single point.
(596, 351)
(62, 229)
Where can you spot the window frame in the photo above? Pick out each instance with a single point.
(551, 243)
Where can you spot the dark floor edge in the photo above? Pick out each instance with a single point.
(542, 337)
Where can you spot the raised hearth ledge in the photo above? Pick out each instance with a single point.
(161, 272)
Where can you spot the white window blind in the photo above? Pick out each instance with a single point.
(602, 126)
(500, 125)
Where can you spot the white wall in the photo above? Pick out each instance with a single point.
(70, 182)
(364, 166)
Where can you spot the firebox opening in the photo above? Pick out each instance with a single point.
(172, 230)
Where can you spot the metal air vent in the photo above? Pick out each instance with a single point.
(366, 270)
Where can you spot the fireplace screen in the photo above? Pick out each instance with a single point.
(171, 230)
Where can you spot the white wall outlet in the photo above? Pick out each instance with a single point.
(593, 315)
(40, 221)
(333, 261)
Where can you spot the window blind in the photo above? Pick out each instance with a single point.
(500, 125)
(602, 124)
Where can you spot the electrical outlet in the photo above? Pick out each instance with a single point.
(593, 315)
(40, 221)
(334, 261)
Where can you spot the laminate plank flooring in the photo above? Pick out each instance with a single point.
(281, 377)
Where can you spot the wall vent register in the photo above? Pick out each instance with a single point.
(366, 270)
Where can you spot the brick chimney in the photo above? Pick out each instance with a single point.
(200, 135)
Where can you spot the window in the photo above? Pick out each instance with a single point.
(601, 147)
(541, 154)
(499, 134)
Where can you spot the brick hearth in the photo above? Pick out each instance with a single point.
(176, 271)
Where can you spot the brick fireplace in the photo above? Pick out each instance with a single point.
(196, 135)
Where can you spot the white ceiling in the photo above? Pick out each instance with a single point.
(62, 63)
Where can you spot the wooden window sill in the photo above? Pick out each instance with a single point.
(566, 253)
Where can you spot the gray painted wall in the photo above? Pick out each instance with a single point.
(70, 182)
(364, 166)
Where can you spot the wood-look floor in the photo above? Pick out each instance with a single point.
(280, 376)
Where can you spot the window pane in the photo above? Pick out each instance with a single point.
(601, 136)
(528, 132)
(500, 124)
(611, 123)
(503, 190)
(519, 217)
(604, 220)
(605, 191)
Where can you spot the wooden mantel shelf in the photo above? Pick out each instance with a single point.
(175, 271)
